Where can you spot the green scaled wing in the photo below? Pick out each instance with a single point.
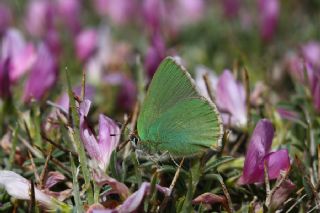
(174, 117)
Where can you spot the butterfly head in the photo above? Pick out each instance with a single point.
(135, 140)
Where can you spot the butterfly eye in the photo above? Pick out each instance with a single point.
(134, 140)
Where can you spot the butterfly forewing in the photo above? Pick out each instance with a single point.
(174, 117)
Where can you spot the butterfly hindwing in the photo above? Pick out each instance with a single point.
(174, 117)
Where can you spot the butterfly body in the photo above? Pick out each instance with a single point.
(174, 117)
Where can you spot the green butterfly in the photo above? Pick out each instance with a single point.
(174, 117)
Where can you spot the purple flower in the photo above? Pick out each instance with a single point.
(52, 40)
(99, 148)
(70, 13)
(311, 53)
(269, 12)
(132, 203)
(128, 92)
(39, 17)
(153, 11)
(5, 18)
(86, 43)
(22, 54)
(45, 70)
(306, 69)
(258, 154)
(5, 90)
(120, 11)
(155, 54)
(231, 97)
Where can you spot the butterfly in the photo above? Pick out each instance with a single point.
(174, 117)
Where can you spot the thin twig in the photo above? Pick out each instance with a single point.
(247, 88)
(266, 179)
(58, 145)
(32, 206)
(173, 183)
(226, 193)
(45, 168)
(34, 168)
(208, 86)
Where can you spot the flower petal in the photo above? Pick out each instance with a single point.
(86, 43)
(22, 54)
(269, 13)
(19, 187)
(259, 147)
(109, 137)
(276, 162)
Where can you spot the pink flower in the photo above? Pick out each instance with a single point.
(19, 187)
(258, 154)
(40, 17)
(86, 43)
(231, 97)
(22, 54)
(45, 70)
(120, 11)
(269, 13)
(70, 13)
(98, 147)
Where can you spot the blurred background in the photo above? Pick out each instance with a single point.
(111, 39)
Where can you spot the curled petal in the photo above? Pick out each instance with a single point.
(281, 194)
(209, 198)
(230, 96)
(54, 178)
(288, 114)
(277, 161)
(19, 187)
(132, 203)
(117, 187)
(260, 144)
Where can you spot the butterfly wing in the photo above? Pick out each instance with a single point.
(174, 117)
